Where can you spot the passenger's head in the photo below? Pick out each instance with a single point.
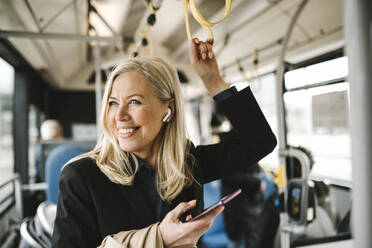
(137, 97)
(51, 130)
(293, 164)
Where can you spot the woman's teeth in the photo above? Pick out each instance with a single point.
(127, 130)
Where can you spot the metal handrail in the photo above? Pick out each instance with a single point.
(13, 178)
(16, 180)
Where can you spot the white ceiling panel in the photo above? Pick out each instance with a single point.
(252, 24)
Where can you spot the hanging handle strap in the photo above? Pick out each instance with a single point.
(200, 18)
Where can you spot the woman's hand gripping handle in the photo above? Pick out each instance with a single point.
(205, 64)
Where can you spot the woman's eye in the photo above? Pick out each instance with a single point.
(134, 101)
(112, 103)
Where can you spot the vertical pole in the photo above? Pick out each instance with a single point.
(284, 222)
(97, 60)
(18, 197)
(20, 125)
(358, 34)
(38, 123)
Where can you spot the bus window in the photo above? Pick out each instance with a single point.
(317, 117)
(6, 117)
(318, 73)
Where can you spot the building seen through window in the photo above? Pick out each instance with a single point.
(318, 117)
(6, 119)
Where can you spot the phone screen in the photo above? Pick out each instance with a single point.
(221, 202)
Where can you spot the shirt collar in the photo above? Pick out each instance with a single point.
(141, 164)
(144, 166)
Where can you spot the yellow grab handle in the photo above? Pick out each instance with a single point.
(200, 18)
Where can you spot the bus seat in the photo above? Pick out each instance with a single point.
(345, 224)
(45, 148)
(216, 236)
(57, 158)
(36, 232)
(270, 186)
(46, 214)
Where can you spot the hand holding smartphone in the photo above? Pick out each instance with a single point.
(222, 202)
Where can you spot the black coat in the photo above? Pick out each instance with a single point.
(91, 207)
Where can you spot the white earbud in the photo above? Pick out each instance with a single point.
(165, 119)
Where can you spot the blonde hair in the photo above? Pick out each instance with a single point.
(174, 160)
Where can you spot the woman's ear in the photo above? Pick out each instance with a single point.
(170, 111)
(166, 117)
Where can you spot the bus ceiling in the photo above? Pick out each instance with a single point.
(58, 38)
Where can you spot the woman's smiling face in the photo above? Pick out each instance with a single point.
(135, 114)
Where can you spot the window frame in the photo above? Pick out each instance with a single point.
(316, 60)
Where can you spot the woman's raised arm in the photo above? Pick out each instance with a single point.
(205, 64)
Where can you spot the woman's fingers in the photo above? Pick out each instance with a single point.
(215, 212)
(210, 49)
(188, 217)
(194, 50)
(208, 218)
(182, 208)
(176, 233)
(206, 50)
(204, 223)
(201, 50)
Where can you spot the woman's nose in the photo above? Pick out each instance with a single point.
(122, 114)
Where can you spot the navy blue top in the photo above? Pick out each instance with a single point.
(147, 178)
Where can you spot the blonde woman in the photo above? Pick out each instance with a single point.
(144, 178)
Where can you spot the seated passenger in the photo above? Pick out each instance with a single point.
(50, 130)
(144, 179)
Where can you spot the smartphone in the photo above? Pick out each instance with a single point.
(222, 202)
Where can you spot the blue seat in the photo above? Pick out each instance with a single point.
(57, 158)
(216, 236)
(271, 187)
